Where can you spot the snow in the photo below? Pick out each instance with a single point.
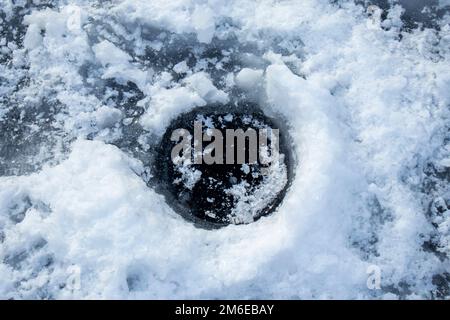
(165, 104)
(181, 67)
(109, 54)
(367, 111)
(33, 37)
(107, 117)
(201, 83)
(204, 23)
(248, 78)
(117, 64)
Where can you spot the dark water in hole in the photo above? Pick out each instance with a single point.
(207, 204)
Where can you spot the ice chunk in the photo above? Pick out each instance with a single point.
(249, 78)
(108, 54)
(33, 37)
(107, 117)
(204, 24)
(181, 67)
(202, 84)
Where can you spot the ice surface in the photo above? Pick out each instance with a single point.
(92, 85)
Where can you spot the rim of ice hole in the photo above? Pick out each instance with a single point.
(191, 209)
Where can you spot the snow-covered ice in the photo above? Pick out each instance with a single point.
(88, 87)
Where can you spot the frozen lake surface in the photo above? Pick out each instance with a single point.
(88, 88)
